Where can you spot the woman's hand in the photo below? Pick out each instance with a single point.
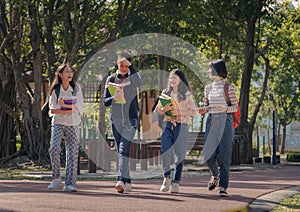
(61, 101)
(72, 107)
(202, 110)
(222, 108)
(166, 108)
(176, 112)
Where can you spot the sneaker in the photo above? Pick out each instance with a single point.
(127, 187)
(166, 184)
(175, 188)
(69, 188)
(120, 187)
(54, 183)
(214, 180)
(223, 192)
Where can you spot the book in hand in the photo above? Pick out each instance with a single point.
(69, 101)
(112, 88)
(164, 100)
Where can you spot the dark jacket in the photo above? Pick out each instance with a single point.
(130, 108)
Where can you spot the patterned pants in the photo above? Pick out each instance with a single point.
(72, 142)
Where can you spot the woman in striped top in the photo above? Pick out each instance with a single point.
(219, 131)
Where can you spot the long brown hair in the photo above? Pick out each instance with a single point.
(57, 79)
(183, 85)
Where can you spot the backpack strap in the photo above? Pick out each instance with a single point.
(74, 92)
(226, 95)
(57, 91)
(113, 78)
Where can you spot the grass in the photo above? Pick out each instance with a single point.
(291, 204)
(18, 173)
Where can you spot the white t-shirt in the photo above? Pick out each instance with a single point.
(72, 119)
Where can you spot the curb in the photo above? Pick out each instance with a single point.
(270, 201)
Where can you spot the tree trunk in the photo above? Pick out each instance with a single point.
(282, 149)
(7, 123)
(245, 90)
(278, 139)
(49, 44)
(39, 143)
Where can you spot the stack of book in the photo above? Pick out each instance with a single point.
(69, 101)
(164, 100)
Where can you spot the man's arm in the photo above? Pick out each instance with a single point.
(107, 98)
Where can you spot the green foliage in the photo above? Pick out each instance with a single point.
(293, 157)
(284, 55)
(73, 30)
(290, 204)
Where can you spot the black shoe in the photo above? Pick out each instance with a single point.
(223, 192)
(214, 180)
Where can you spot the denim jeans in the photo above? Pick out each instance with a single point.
(175, 136)
(223, 149)
(123, 132)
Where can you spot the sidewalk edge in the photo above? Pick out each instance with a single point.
(271, 200)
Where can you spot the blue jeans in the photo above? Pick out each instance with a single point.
(224, 149)
(175, 136)
(123, 132)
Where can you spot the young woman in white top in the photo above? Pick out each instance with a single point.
(66, 105)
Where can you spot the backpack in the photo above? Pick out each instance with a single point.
(235, 115)
(57, 91)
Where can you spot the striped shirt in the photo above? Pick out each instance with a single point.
(214, 96)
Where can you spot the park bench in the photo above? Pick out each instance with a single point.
(196, 143)
(147, 152)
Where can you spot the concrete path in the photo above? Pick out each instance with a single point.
(246, 186)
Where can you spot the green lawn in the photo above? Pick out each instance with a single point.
(291, 204)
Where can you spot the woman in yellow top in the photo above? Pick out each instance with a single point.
(175, 128)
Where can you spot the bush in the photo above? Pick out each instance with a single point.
(293, 157)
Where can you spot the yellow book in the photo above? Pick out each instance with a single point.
(112, 88)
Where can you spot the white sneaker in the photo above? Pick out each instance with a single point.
(69, 188)
(54, 183)
(127, 187)
(166, 184)
(175, 188)
(213, 182)
(120, 186)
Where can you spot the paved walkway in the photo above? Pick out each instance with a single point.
(247, 185)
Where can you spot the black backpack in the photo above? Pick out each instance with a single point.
(57, 91)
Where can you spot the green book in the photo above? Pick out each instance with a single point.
(164, 100)
(112, 88)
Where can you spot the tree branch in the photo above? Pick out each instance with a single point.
(8, 110)
(264, 89)
(262, 51)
